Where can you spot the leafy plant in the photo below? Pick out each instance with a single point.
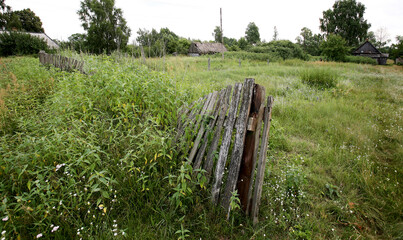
(319, 77)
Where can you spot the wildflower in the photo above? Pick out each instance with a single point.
(5, 219)
(101, 206)
(39, 235)
(55, 228)
(3, 232)
(115, 234)
(123, 233)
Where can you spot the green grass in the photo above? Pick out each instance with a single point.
(334, 160)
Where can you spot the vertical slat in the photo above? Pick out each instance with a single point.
(237, 151)
(210, 128)
(189, 119)
(262, 161)
(255, 154)
(202, 127)
(208, 165)
(246, 168)
(226, 142)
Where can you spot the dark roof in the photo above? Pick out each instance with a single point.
(366, 48)
(206, 48)
(50, 42)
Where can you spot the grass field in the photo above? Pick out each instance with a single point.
(92, 155)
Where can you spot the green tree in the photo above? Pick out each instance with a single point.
(105, 25)
(335, 48)
(4, 10)
(252, 33)
(396, 50)
(347, 20)
(217, 34)
(309, 42)
(29, 22)
(242, 43)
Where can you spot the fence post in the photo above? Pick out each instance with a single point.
(268, 61)
(247, 163)
(208, 64)
(239, 62)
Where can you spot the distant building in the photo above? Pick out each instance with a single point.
(51, 44)
(197, 49)
(368, 50)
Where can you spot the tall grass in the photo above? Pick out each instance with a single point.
(91, 156)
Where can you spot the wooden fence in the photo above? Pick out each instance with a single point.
(212, 120)
(64, 63)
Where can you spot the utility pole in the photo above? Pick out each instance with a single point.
(222, 33)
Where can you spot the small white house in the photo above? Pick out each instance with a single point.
(51, 44)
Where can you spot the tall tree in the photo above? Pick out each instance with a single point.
(217, 34)
(105, 25)
(4, 10)
(252, 33)
(29, 22)
(309, 42)
(382, 37)
(346, 19)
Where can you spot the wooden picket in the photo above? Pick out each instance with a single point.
(219, 123)
(61, 62)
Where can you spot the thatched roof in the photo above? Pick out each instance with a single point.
(51, 44)
(206, 48)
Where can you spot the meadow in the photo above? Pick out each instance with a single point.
(91, 157)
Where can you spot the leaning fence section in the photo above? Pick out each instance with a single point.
(61, 62)
(226, 133)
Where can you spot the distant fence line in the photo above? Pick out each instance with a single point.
(61, 62)
(215, 117)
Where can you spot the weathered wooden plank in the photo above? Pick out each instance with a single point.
(197, 119)
(255, 154)
(190, 118)
(202, 127)
(226, 142)
(208, 164)
(237, 151)
(257, 193)
(210, 128)
(247, 166)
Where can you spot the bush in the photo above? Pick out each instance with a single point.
(20, 44)
(359, 59)
(250, 56)
(282, 49)
(335, 48)
(319, 77)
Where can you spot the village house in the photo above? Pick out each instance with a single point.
(197, 48)
(368, 50)
(50, 42)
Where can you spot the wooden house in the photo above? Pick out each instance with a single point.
(50, 42)
(368, 50)
(197, 49)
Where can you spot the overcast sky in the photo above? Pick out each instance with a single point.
(197, 19)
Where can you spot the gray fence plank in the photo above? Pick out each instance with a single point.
(226, 142)
(237, 151)
(208, 164)
(262, 161)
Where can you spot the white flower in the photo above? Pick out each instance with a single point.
(39, 235)
(55, 228)
(115, 234)
(3, 232)
(5, 219)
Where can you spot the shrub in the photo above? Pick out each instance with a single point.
(250, 56)
(20, 44)
(359, 59)
(335, 48)
(282, 49)
(319, 77)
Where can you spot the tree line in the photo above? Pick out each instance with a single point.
(343, 28)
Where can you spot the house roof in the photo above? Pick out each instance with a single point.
(367, 48)
(50, 42)
(206, 48)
